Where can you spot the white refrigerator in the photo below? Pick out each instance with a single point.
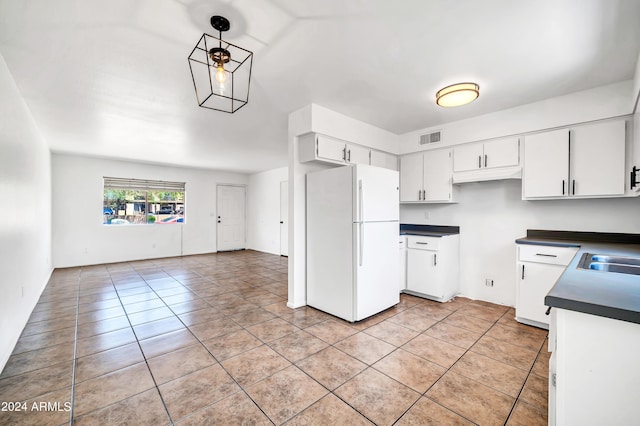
(352, 240)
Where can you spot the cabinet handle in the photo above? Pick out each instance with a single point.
(344, 154)
(424, 194)
(562, 186)
(479, 161)
(574, 187)
(546, 255)
(435, 259)
(422, 243)
(522, 272)
(485, 160)
(349, 156)
(419, 194)
(548, 311)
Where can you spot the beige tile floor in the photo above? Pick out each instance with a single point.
(209, 340)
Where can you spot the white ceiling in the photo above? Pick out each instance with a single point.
(111, 78)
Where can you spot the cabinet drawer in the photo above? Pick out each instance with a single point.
(423, 243)
(546, 254)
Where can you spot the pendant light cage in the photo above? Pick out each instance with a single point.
(231, 94)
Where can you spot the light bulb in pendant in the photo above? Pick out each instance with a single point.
(221, 75)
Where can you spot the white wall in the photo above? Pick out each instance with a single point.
(25, 214)
(80, 238)
(263, 210)
(492, 215)
(602, 102)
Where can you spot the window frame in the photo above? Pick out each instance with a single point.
(146, 186)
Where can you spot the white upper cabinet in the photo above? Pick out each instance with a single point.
(383, 159)
(585, 161)
(330, 149)
(426, 177)
(467, 157)
(437, 175)
(546, 164)
(597, 159)
(356, 154)
(411, 181)
(501, 153)
(487, 155)
(316, 147)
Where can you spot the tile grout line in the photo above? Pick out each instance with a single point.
(525, 381)
(146, 361)
(448, 369)
(266, 344)
(424, 394)
(75, 351)
(468, 350)
(201, 343)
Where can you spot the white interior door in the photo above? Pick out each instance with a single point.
(230, 217)
(284, 218)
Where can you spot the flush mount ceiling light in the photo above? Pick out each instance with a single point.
(457, 94)
(221, 71)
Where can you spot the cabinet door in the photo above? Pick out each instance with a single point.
(383, 159)
(357, 154)
(546, 165)
(410, 177)
(422, 272)
(437, 175)
(501, 153)
(467, 157)
(330, 149)
(534, 282)
(597, 159)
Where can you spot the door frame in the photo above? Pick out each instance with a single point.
(286, 225)
(215, 216)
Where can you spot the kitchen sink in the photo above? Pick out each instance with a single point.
(607, 263)
(616, 259)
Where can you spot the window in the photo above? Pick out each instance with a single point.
(135, 201)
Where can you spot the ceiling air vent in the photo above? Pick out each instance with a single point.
(430, 138)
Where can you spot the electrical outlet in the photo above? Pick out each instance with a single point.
(488, 282)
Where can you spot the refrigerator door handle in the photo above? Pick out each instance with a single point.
(360, 201)
(361, 243)
(360, 218)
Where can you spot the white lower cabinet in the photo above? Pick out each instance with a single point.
(593, 371)
(432, 266)
(539, 267)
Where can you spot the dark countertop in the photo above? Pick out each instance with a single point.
(606, 294)
(428, 230)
